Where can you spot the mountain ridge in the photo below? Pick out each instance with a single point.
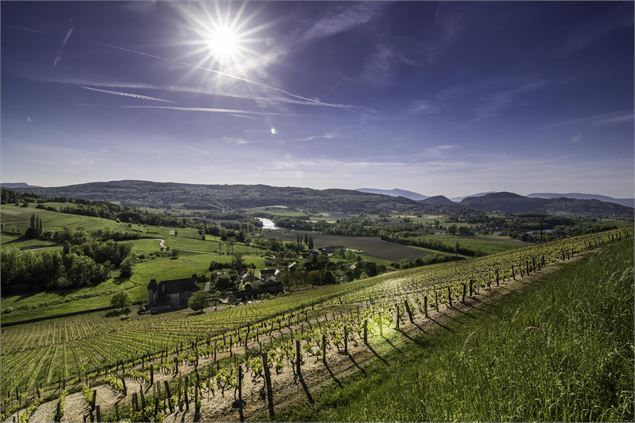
(217, 197)
(629, 202)
(509, 203)
(394, 192)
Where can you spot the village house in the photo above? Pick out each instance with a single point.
(170, 294)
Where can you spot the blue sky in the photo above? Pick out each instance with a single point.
(440, 98)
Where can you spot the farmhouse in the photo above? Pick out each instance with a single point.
(170, 294)
(331, 249)
(269, 275)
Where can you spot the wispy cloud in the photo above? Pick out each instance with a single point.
(23, 28)
(423, 107)
(232, 112)
(125, 94)
(235, 141)
(342, 20)
(591, 31)
(601, 120)
(437, 151)
(575, 138)
(58, 57)
(325, 136)
(261, 85)
(495, 103)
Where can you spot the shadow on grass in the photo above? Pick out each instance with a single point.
(391, 344)
(355, 363)
(328, 369)
(305, 387)
(377, 355)
(410, 338)
(117, 312)
(441, 324)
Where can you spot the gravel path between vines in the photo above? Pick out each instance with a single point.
(287, 390)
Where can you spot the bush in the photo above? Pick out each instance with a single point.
(198, 301)
(120, 300)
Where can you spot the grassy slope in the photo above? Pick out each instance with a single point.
(561, 350)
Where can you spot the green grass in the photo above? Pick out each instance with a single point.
(560, 350)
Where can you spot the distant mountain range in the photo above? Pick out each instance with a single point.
(222, 198)
(508, 202)
(12, 185)
(233, 197)
(479, 194)
(395, 192)
(629, 202)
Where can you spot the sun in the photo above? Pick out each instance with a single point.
(223, 35)
(224, 44)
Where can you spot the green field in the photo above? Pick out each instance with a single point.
(562, 350)
(195, 256)
(369, 246)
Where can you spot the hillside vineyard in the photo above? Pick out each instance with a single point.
(186, 361)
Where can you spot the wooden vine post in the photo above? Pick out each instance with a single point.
(241, 403)
(409, 311)
(298, 359)
(425, 305)
(265, 364)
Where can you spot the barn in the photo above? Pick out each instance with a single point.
(170, 294)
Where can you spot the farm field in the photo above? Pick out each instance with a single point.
(94, 350)
(374, 247)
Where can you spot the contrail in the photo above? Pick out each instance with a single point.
(211, 110)
(228, 75)
(125, 94)
(61, 50)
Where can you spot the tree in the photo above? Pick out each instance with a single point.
(120, 300)
(126, 268)
(452, 229)
(198, 301)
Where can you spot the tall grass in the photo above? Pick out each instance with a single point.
(561, 350)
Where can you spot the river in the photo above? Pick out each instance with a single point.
(267, 224)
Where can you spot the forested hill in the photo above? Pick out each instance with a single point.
(507, 202)
(233, 197)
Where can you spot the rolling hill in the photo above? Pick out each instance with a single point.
(395, 192)
(629, 202)
(233, 197)
(508, 202)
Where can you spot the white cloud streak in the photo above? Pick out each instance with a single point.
(233, 112)
(342, 20)
(125, 94)
(58, 57)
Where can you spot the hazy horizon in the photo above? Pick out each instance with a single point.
(451, 98)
